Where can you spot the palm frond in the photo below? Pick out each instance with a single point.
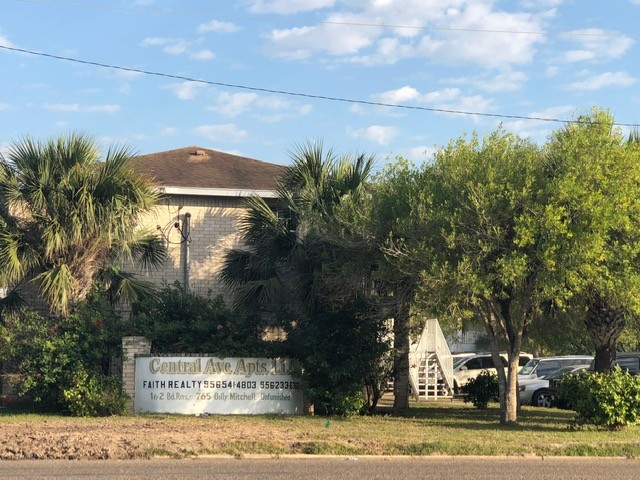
(147, 249)
(11, 303)
(60, 206)
(56, 286)
(123, 286)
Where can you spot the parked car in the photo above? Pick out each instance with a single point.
(542, 366)
(467, 368)
(627, 361)
(538, 392)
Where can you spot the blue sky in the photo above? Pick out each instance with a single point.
(544, 58)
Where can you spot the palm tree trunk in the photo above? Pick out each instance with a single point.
(402, 344)
(605, 324)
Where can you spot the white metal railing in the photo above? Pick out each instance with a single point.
(432, 346)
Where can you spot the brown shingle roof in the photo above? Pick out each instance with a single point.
(199, 167)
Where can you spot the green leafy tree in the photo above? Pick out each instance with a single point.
(592, 227)
(470, 234)
(65, 216)
(387, 220)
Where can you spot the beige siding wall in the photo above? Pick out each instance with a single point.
(213, 231)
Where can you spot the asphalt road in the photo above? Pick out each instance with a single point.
(336, 468)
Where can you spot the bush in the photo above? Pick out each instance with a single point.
(91, 395)
(340, 352)
(177, 321)
(62, 364)
(481, 390)
(610, 400)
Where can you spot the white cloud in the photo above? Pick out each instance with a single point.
(228, 132)
(172, 46)
(218, 27)
(168, 132)
(205, 54)
(179, 46)
(597, 45)
(128, 74)
(379, 45)
(538, 130)
(187, 90)
(4, 41)
(401, 95)
(420, 154)
(294, 112)
(277, 109)
(506, 80)
(541, 3)
(445, 99)
(379, 134)
(303, 42)
(289, 6)
(109, 109)
(551, 71)
(4, 107)
(77, 108)
(233, 104)
(603, 80)
(62, 107)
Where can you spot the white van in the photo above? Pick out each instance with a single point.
(540, 367)
(466, 368)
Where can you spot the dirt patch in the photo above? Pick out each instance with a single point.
(142, 437)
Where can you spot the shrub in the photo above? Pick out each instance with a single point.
(91, 395)
(177, 321)
(340, 352)
(481, 390)
(610, 400)
(54, 357)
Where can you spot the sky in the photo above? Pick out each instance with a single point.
(256, 77)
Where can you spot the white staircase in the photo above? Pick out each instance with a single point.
(430, 364)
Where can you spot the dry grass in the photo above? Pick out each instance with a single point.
(448, 428)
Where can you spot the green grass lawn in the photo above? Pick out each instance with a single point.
(447, 428)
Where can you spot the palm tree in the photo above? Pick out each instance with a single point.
(277, 261)
(65, 216)
(300, 265)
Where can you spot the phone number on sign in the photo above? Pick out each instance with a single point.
(265, 385)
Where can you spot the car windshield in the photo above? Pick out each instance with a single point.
(459, 362)
(561, 371)
(529, 367)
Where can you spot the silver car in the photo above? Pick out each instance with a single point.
(536, 392)
(543, 366)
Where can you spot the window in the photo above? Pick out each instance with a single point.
(529, 367)
(487, 362)
(630, 364)
(474, 364)
(545, 368)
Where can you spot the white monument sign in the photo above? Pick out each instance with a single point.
(193, 385)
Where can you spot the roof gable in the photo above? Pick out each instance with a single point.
(202, 168)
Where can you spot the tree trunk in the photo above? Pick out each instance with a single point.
(402, 344)
(605, 324)
(507, 381)
(512, 396)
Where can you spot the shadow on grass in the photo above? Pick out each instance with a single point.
(547, 420)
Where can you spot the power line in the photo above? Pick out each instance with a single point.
(329, 22)
(300, 94)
